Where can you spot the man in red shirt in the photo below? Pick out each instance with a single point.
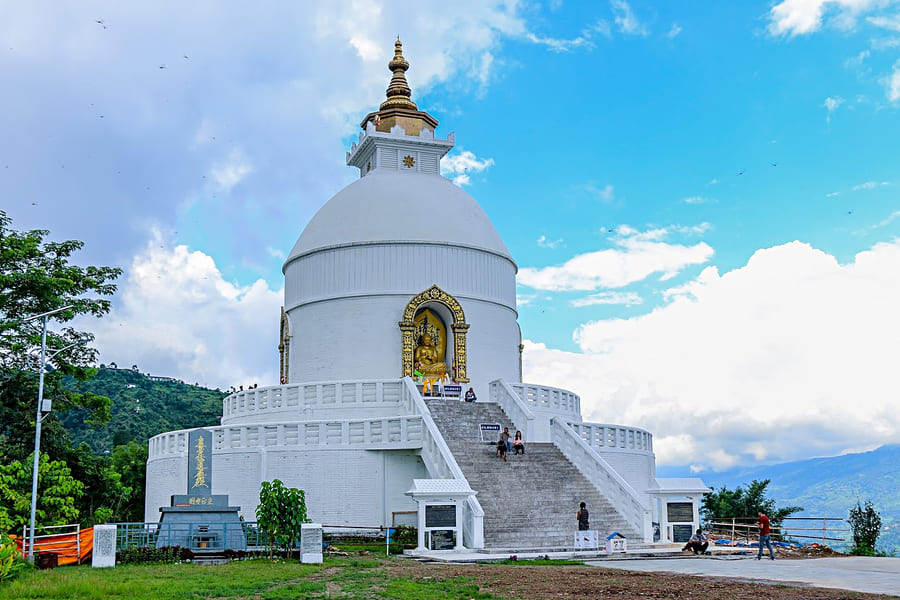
(764, 534)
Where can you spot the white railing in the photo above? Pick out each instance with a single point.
(542, 397)
(515, 408)
(607, 438)
(440, 463)
(322, 395)
(604, 478)
(404, 432)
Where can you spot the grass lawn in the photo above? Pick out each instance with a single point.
(262, 579)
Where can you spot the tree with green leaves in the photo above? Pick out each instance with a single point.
(866, 525)
(744, 503)
(280, 513)
(37, 276)
(58, 494)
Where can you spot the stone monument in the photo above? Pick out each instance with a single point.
(200, 520)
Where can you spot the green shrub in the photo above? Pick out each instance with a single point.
(866, 525)
(280, 513)
(169, 555)
(11, 562)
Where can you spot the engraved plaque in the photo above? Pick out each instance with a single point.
(441, 515)
(104, 552)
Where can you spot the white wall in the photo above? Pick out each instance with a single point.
(343, 487)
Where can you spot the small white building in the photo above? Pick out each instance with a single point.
(399, 277)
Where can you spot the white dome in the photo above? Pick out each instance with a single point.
(393, 206)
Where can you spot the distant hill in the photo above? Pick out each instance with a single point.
(827, 487)
(142, 406)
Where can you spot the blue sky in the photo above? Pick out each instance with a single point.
(702, 197)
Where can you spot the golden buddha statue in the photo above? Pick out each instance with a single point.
(428, 359)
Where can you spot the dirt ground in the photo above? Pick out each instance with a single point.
(558, 582)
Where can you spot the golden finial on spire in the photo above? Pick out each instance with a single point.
(398, 92)
(398, 108)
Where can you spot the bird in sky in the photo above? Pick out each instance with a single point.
(741, 172)
(101, 23)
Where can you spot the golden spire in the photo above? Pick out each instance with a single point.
(398, 108)
(398, 92)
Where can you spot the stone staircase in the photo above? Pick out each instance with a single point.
(530, 502)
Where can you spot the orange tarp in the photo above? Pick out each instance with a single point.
(64, 545)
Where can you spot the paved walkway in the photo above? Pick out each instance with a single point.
(854, 573)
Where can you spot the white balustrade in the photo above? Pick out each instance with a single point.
(515, 408)
(405, 432)
(279, 400)
(604, 478)
(545, 398)
(441, 464)
(614, 438)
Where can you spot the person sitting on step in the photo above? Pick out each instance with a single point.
(501, 450)
(519, 443)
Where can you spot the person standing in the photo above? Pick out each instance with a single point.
(764, 534)
(582, 516)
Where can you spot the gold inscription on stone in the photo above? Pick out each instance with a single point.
(200, 457)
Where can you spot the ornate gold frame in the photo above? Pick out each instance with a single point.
(459, 327)
(284, 348)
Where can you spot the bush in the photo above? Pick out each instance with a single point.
(11, 562)
(866, 525)
(169, 555)
(280, 513)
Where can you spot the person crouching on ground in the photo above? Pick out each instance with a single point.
(501, 450)
(697, 544)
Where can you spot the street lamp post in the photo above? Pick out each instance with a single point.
(37, 428)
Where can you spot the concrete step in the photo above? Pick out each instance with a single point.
(529, 501)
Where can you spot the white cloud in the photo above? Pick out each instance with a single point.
(458, 166)
(626, 298)
(175, 315)
(696, 199)
(584, 40)
(798, 17)
(674, 31)
(892, 23)
(831, 105)
(545, 242)
(870, 185)
(639, 255)
(605, 193)
(858, 60)
(626, 20)
(832, 194)
(789, 356)
(892, 83)
(231, 171)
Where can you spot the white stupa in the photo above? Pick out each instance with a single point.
(399, 283)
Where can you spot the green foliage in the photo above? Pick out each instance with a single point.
(141, 407)
(11, 562)
(58, 492)
(742, 503)
(866, 525)
(37, 277)
(168, 555)
(280, 513)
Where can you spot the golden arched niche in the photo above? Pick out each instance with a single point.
(414, 318)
